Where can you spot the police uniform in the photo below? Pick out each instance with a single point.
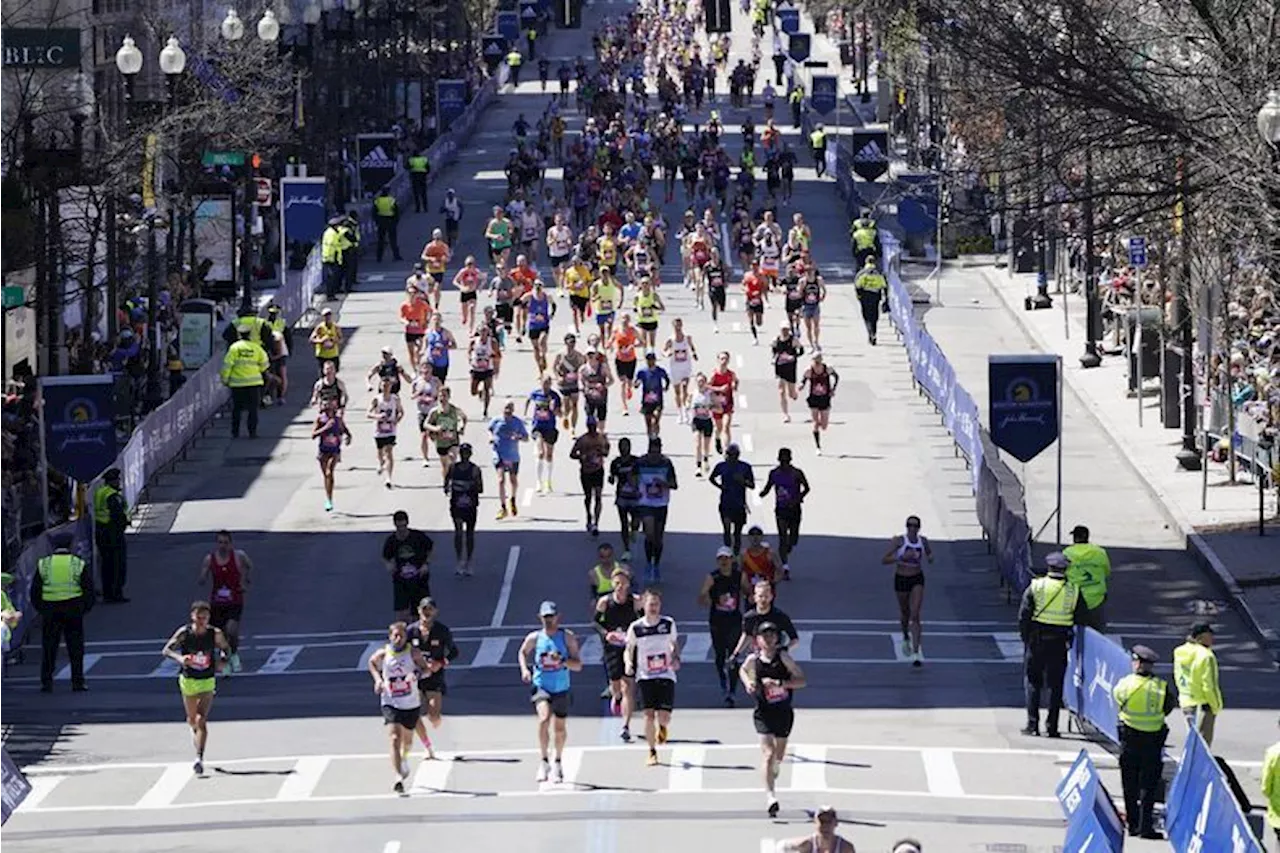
(865, 239)
(419, 168)
(818, 147)
(242, 370)
(1142, 703)
(62, 591)
(870, 286)
(514, 61)
(386, 216)
(110, 520)
(1090, 570)
(1045, 624)
(350, 233)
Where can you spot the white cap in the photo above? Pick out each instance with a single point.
(724, 551)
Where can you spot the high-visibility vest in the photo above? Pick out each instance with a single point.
(331, 245)
(1140, 701)
(514, 59)
(60, 575)
(1089, 569)
(243, 365)
(101, 513)
(532, 34)
(278, 325)
(797, 95)
(869, 281)
(817, 139)
(604, 583)
(1195, 671)
(864, 238)
(350, 236)
(1055, 601)
(253, 324)
(418, 164)
(384, 206)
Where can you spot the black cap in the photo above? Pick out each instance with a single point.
(1200, 628)
(61, 538)
(1081, 531)
(112, 474)
(1144, 654)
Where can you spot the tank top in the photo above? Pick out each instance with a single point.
(561, 240)
(715, 275)
(550, 652)
(389, 370)
(425, 392)
(438, 348)
(812, 290)
(400, 679)
(202, 649)
(606, 298)
(679, 353)
(726, 594)
(567, 370)
(910, 554)
(655, 647)
(482, 354)
(331, 436)
(722, 389)
(329, 391)
(384, 424)
(772, 697)
(758, 565)
(701, 405)
(618, 617)
(227, 584)
(539, 313)
(820, 383)
(786, 488)
(462, 486)
(593, 381)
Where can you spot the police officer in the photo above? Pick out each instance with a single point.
(514, 61)
(331, 247)
(386, 216)
(62, 592)
(870, 286)
(1195, 672)
(1090, 570)
(797, 104)
(242, 370)
(866, 236)
(110, 521)
(350, 230)
(1044, 622)
(419, 168)
(1142, 702)
(818, 147)
(531, 36)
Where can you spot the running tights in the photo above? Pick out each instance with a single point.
(788, 532)
(464, 533)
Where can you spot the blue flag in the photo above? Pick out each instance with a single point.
(79, 424)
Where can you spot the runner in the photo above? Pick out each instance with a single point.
(439, 341)
(907, 554)
(813, 292)
(759, 561)
(331, 430)
(484, 356)
(764, 611)
(426, 392)
(505, 434)
(386, 412)
(722, 593)
(230, 572)
(396, 668)
(595, 378)
(464, 485)
(606, 294)
(771, 676)
(755, 289)
(785, 352)
(498, 233)
(197, 648)
(615, 611)
(436, 256)
(413, 314)
(566, 366)
(821, 382)
(547, 656)
(467, 280)
(648, 305)
(653, 658)
(546, 413)
(522, 278)
(656, 478)
(591, 449)
(503, 289)
(714, 273)
(446, 424)
(734, 478)
(327, 338)
(700, 409)
(790, 488)
(559, 249)
(407, 556)
(653, 383)
(793, 294)
(577, 281)
(724, 390)
(681, 354)
(624, 343)
(624, 472)
(540, 309)
(434, 641)
(825, 840)
(387, 368)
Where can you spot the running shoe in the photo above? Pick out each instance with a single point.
(513, 507)
(546, 487)
(662, 734)
(625, 734)
(626, 556)
(786, 572)
(328, 505)
(388, 483)
(728, 700)
(652, 760)
(544, 771)
(917, 659)
(719, 445)
(398, 787)
(906, 647)
(235, 662)
(558, 775)
(502, 512)
(198, 767)
(606, 693)
(404, 767)
(773, 806)
(466, 569)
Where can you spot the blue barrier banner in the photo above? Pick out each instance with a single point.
(451, 103)
(798, 47)
(1096, 663)
(1092, 820)
(823, 95)
(79, 424)
(1202, 814)
(507, 25)
(1023, 393)
(15, 787)
(918, 206)
(789, 20)
(302, 210)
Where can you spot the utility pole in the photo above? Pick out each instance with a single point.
(1188, 455)
(1091, 358)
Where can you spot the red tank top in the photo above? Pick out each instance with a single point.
(226, 580)
(758, 566)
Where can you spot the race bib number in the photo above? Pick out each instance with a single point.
(447, 435)
(223, 593)
(811, 297)
(655, 664)
(606, 305)
(727, 603)
(399, 686)
(651, 396)
(481, 362)
(199, 660)
(408, 571)
(785, 358)
(462, 500)
(681, 355)
(774, 693)
(542, 415)
(551, 662)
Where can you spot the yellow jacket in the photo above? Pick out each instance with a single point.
(244, 364)
(1271, 784)
(1090, 569)
(1195, 672)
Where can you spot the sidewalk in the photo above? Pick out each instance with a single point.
(1222, 536)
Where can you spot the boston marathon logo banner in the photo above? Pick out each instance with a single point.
(79, 424)
(1024, 414)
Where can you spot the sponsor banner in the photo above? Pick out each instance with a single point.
(215, 237)
(870, 154)
(376, 162)
(451, 103)
(1092, 820)
(1202, 813)
(1095, 665)
(495, 47)
(798, 47)
(1023, 390)
(824, 94)
(16, 786)
(32, 47)
(302, 215)
(789, 20)
(79, 424)
(507, 25)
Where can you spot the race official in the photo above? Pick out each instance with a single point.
(866, 238)
(110, 521)
(386, 216)
(62, 592)
(242, 370)
(1090, 570)
(1142, 703)
(1045, 622)
(870, 285)
(419, 168)
(1195, 672)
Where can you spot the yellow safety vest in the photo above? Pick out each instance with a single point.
(101, 514)
(1055, 601)
(1195, 671)
(514, 59)
(869, 281)
(1140, 700)
(331, 245)
(418, 164)
(864, 238)
(1089, 569)
(60, 575)
(384, 205)
(817, 139)
(797, 95)
(254, 325)
(243, 365)
(278, 325)
(604, 583)
(350, 236)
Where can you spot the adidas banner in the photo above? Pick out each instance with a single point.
(870, 154)
(377, 161)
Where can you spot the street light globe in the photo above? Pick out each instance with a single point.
(173, 59)
(311, 14)
(285, 15)
(268, 27)
(1269, 119)
(232, 26)
(128, 57)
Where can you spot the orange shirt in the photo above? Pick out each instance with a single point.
(758, 565)
(436, 255)
(415, 312)
(625, 340)
(524, 277)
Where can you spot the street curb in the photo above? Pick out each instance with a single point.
(1199, 549)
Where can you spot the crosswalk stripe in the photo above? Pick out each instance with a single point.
(802, 649)
(686, 768)
(303, 778)
(696, 649)
(433, 775)
(64, 674)
(167, 787)
(492, 650)
(369, 651)
(941, 773)
(809, 769)
(896, 642)
(281, 659)
(168, 668)
(571, 763)
(41, 788)
(770, 845)
(1009, 643)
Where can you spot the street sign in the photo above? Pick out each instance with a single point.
(823, 97)
(264, 191)
(14, 295)
(789, 20)
(222, 158)
(508, 26)
(1138, 252)
(799, 47)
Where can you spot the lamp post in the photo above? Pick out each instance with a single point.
(1091, 357)
(1269, 130)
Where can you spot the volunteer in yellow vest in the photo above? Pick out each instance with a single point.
(865, 239)
(1195, 673)
(870, 285)
(386, 217)
(1044, 622)
(1142, 703)
(531, 36)
(797, 104)
(818, 148)
(1090, 570)
(327, 339)
(350, 251)
(331, 247)
(62, 592)
(247, 320)
(1271, 785)
(514, 61)
(242, 370)
(110, 521)
(419, 168)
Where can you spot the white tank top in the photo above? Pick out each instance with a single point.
(679, 353)
(560, 240)
(384, 424)
(482, 355)
(400, 680)
(425, 391)
(911, 553)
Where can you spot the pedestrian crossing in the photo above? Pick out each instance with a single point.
(687, 768)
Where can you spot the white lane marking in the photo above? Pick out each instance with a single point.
(736, 326)
(302, 780)
(391, 847)
(809, 769)
(167, 788)
(433, 776)
(742, 401)
(696, 649)
(508, 578)
(370, 650)
(492, 650)
(591, 652)
(941, 773)
(571, 764)
(281, 659)
(747, 445)
(802, 649)
(527, 500)
(168, 668)
(1009, 643)
(41, 787)
(733, 306)
(686, 768)
(756, 500)
(896, 642)
(770, 845)
(64, 674)
(738, 360)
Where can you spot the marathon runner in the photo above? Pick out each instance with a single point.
(606, 295)
(734, 478)
(434, 641)
(653, 382)
(546, 657)
(230, 572)
(439, 341)
(467, 280)
(484, 355)
(594, 377)
(464, 485)
(790, 488)
(624, 343)
(387, 368)
(907, 554)
(331, 430)
(724, 390)
(436, 256)
(407, 555)
(648, 306)
(764, 611)
(546, 415)
(821, 382)
(785, 352)
(771, 676)
(700, 408)
(413, 314)
(446, 424)
(426, 392)
(681, 354)
(591, 449)
(653, 658)
(386, 412)
(578, 282)
(615, 611)
(624, 472)
(656, 478)
(505, 434)
(565, 366)
(396, 668)
(722, 592)
(198, 649)
(539, 308)
(759, 561)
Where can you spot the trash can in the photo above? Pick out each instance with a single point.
(1171, 389)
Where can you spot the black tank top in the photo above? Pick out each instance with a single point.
(820, 383)
(726, 596)
(772, 698)
(389, 369)
(618, 617)
(203, 649)
(462, 486)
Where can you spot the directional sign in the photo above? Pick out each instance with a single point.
(789, 20)
(1138, 252)
(263, 187)
(508, 26)
(14, 295)
(222, 158)
(823, 97)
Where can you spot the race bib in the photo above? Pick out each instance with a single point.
(651, 396)
(811, 297)
(481, 362)
(222, 593)
(408, 571)
(462, 500)
(681, 355)
(774, 693)
(542, 415)
(727, 603)
(199, 660)
(785, 358)
(655, 664)
(606, 306)
(399, 686)
(551, 661)
(447, 435)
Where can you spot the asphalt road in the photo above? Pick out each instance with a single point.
(296, 752)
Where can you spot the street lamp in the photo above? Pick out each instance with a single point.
(129, 63)
(232, 26)
(173, 61)
(268, 27)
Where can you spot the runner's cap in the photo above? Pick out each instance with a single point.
(724, 551)
(548, 608)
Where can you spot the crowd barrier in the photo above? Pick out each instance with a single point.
(14, 787)
(1096, 663)
(1202, 813)
(23, 570)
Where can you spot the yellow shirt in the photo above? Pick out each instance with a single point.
(331, 337)
(577, 280)
(608, 250)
